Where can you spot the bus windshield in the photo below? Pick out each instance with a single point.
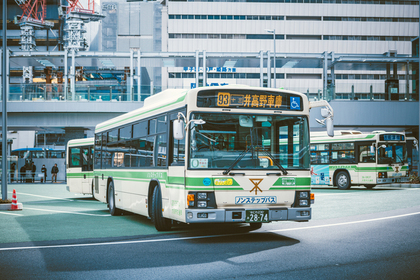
(245, 141)
(389, 153)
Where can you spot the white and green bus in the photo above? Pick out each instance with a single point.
(79, 165)
(356, 158)
(202, 156)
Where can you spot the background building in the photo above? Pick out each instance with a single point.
(300, 26)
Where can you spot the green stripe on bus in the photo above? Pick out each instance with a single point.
(289, 188)
(298, 181)
(370, 136)
(142, 113)
(194, 181)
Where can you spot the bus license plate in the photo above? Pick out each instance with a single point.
(256, 216)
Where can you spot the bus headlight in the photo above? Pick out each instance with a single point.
(201, 195)
(201, 200)
(302, 199)
(303, 203)
(304, 195)
(201, 204)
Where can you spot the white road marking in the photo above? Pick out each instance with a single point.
(195, 237)
(70, 212)
(30, 194)
(347, 223)
(8, 213)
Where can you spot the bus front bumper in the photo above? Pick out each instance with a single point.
(238, 215)
(392, 180)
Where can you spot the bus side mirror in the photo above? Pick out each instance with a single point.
(178, 127)
(330, 127)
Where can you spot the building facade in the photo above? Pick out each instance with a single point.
(298, 26)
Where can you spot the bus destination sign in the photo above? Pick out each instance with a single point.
(391, 137)
(249, 99)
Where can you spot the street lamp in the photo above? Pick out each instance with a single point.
(274, 39)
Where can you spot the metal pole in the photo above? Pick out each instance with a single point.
(274, 70)
(204, 69)
(4, 107)
(138, 76)
(196, 68)
(261, 68)
(325, 74)
(268, 70)
(73, 75)
(131, 73)
(66, 77)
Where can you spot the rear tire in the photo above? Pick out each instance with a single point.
(342, 180)
(161, 223)
(113, 210)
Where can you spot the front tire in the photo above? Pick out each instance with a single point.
(161, 223)
(343, 180)
(113, 210)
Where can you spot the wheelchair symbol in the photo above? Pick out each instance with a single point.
(294, 104)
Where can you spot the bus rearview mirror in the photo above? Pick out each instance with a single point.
(330, 127)
(178, 127)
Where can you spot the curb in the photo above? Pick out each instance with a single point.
(8, 206)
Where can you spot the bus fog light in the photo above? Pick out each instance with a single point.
(189, 215)
(304, 213)
(202, 215)
(201, 195)
(202, 204)
(303, 203)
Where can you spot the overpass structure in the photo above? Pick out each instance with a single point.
(76, 104)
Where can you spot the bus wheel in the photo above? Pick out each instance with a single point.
(371, 186)
(343, 180)
(161, 223)
(255, 226)
(111, 200)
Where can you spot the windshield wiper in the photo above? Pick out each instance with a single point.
(267, 153)
(238, 159)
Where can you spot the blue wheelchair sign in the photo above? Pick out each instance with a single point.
(294, 103)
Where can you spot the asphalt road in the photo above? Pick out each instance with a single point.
(354, 234)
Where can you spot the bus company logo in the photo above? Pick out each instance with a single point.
(397, 169)
(256, 182)
(223, 182)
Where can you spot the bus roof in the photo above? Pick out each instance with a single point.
(81, 142)
(348, 135)
(36, 149)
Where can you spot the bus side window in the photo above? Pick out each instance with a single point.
(74, 159)
(365, 155)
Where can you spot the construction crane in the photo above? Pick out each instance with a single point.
(33, 16)
(76, 16)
